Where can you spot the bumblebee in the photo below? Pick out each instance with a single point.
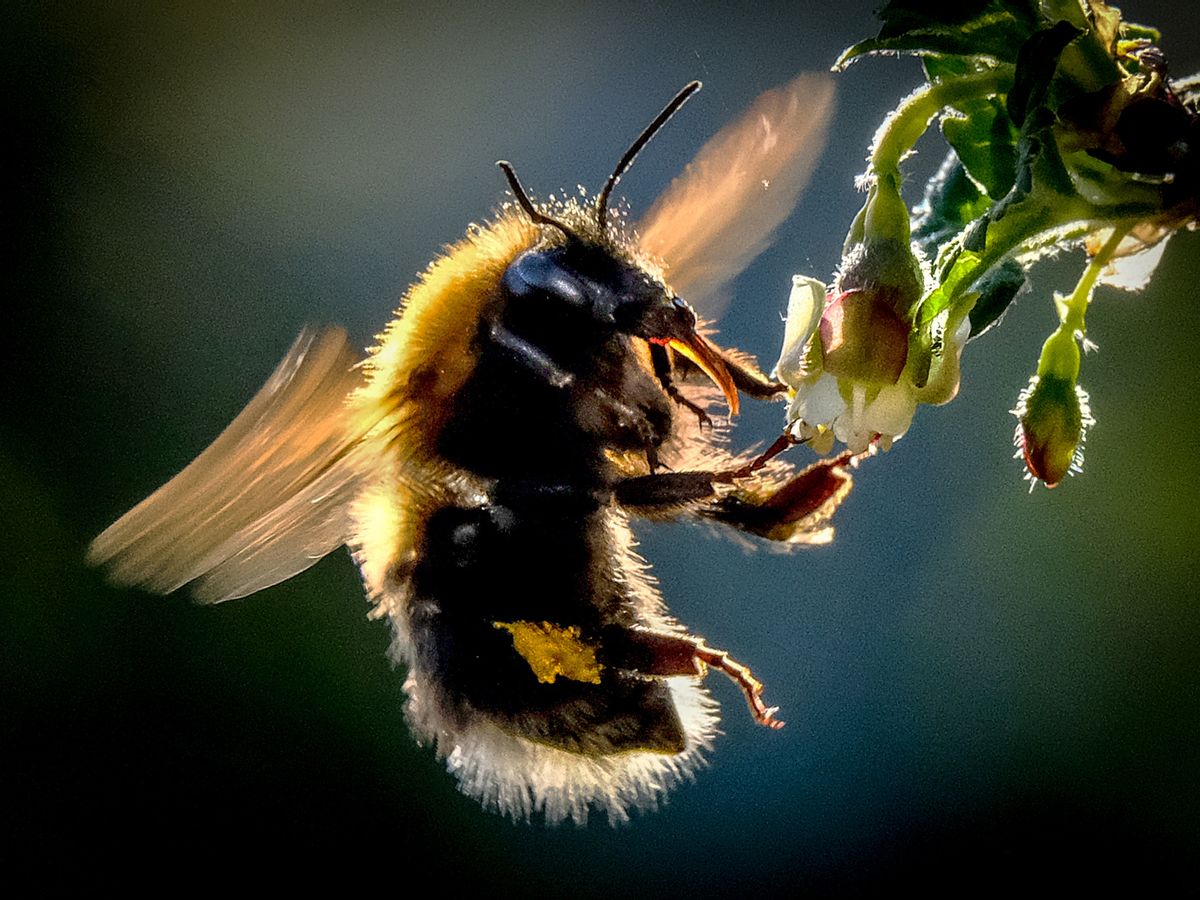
(543, 382)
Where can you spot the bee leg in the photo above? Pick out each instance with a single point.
(530, 356)
(750, 380)
(741, 675)
(665, 488)
(662, 654)
(652, 460)
(801, 505)
(703, 417)
(662, 371)
(783, 442)
(637, 426)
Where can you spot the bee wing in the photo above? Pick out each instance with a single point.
(266, 500)
(722, 211)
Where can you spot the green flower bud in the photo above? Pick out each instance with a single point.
(1053, 418)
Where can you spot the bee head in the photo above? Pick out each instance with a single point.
(585, 293)
(594, 282)
(589, 275)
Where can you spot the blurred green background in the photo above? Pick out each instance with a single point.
(982, 686)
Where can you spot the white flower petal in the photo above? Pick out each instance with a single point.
(891, 412)
(846, 430)
(805, 305)
(1132, 273)
(818, 402)
(822, 442)
(818, 437)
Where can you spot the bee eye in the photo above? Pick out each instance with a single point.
(537, 272)
(681, 304)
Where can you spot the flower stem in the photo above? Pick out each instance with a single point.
(884, 214)
(1074, 309)
(904, 127)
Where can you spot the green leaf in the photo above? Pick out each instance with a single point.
(1038, 149)
(1107, 187)
(1037, 61)
(1106, 23)
(985, 140)
(939, 67)
(997, 290)
(992, 28)
(940, 297)
(951, 201)
(1131, 31)
(974, 236)
(1038, 160)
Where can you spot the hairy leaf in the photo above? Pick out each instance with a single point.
(1037, 61)
(992, 28)
(997, 290)
(951, 201)
(985, 140)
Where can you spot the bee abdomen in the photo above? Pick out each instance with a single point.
(508, 606)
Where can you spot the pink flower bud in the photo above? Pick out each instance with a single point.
(862, 338)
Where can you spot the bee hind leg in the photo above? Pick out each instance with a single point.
(741, 675)
(662, 654)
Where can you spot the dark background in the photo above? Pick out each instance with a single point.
(983, 687)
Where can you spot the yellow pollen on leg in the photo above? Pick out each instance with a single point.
(554, 650)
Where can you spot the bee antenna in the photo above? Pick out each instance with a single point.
(535, 215)
(636, 147)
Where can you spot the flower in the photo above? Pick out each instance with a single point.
(857, 369)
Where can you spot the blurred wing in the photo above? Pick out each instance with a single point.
(269, 498)
(723, 210)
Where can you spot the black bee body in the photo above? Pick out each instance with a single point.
(538, 549)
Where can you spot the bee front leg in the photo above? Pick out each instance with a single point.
(662, 654)
(631, 421)
(661, 359)
(783, 442)
(751, 380)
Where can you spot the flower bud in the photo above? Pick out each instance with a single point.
(1053, 419)
(867, 319)
(887, 269)
(863, 339)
